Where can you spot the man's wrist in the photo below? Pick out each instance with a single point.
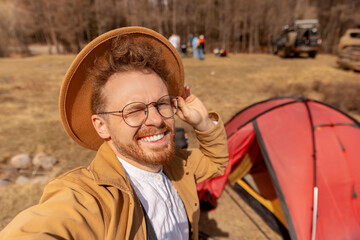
(205, 125)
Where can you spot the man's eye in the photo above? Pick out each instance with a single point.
(163, 104)
(134, 112)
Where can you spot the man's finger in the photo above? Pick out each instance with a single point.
(186, 92)
(183, 107)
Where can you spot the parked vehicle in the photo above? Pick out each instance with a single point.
(349, 50)
(300, 37)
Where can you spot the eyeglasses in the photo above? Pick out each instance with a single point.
(136, 113)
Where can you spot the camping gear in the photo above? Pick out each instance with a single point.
(181, 138)
(299, 159)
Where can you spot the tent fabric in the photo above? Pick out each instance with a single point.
(269, 210)
(304, 143)
(210, 190)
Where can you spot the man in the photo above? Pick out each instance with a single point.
(201, 47)
(174, 39)
(195, 48)
(119, 97)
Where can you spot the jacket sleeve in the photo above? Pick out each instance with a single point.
(65, 211)
(211, 158)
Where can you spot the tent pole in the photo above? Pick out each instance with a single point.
(315, 204)
(316, 198)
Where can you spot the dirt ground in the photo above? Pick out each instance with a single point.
(29, 119)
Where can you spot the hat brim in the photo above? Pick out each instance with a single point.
(76, 90)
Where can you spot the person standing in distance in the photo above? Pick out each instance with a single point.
(201, 47)
(174, 39)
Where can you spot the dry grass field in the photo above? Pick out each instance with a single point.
(29, 119)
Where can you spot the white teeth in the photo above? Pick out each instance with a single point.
(153, 138)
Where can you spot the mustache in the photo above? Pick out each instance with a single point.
(154, 130)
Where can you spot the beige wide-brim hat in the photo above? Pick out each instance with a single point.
(76, 90)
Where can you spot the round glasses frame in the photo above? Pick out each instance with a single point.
(173, 103)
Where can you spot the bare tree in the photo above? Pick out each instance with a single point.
(6, 19)
(15, 27)
(240, 25)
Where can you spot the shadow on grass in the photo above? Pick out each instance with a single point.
(211, 231)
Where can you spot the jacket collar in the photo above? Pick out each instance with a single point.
(107, 170)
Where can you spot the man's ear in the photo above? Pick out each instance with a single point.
(100, 126)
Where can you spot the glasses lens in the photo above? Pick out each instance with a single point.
(167, 106)
(134, 114)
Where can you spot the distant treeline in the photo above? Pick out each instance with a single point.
(237, 25)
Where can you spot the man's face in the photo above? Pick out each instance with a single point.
(151, 144)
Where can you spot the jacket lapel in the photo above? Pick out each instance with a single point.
(108, 171)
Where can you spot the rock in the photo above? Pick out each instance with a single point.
(10, 173)
(39, 158)
(49, 162)
(21, 160)
(4, 182)
(44, 161)
(22, 179)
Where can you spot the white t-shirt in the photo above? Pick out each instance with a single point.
(175, 41)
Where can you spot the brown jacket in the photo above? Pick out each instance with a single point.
(98, 202)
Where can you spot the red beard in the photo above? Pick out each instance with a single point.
(156, 157)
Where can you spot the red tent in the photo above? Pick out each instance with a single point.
(304, 153)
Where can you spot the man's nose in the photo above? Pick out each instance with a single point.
(154, 118)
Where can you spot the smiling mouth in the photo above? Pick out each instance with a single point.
(153, 138)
